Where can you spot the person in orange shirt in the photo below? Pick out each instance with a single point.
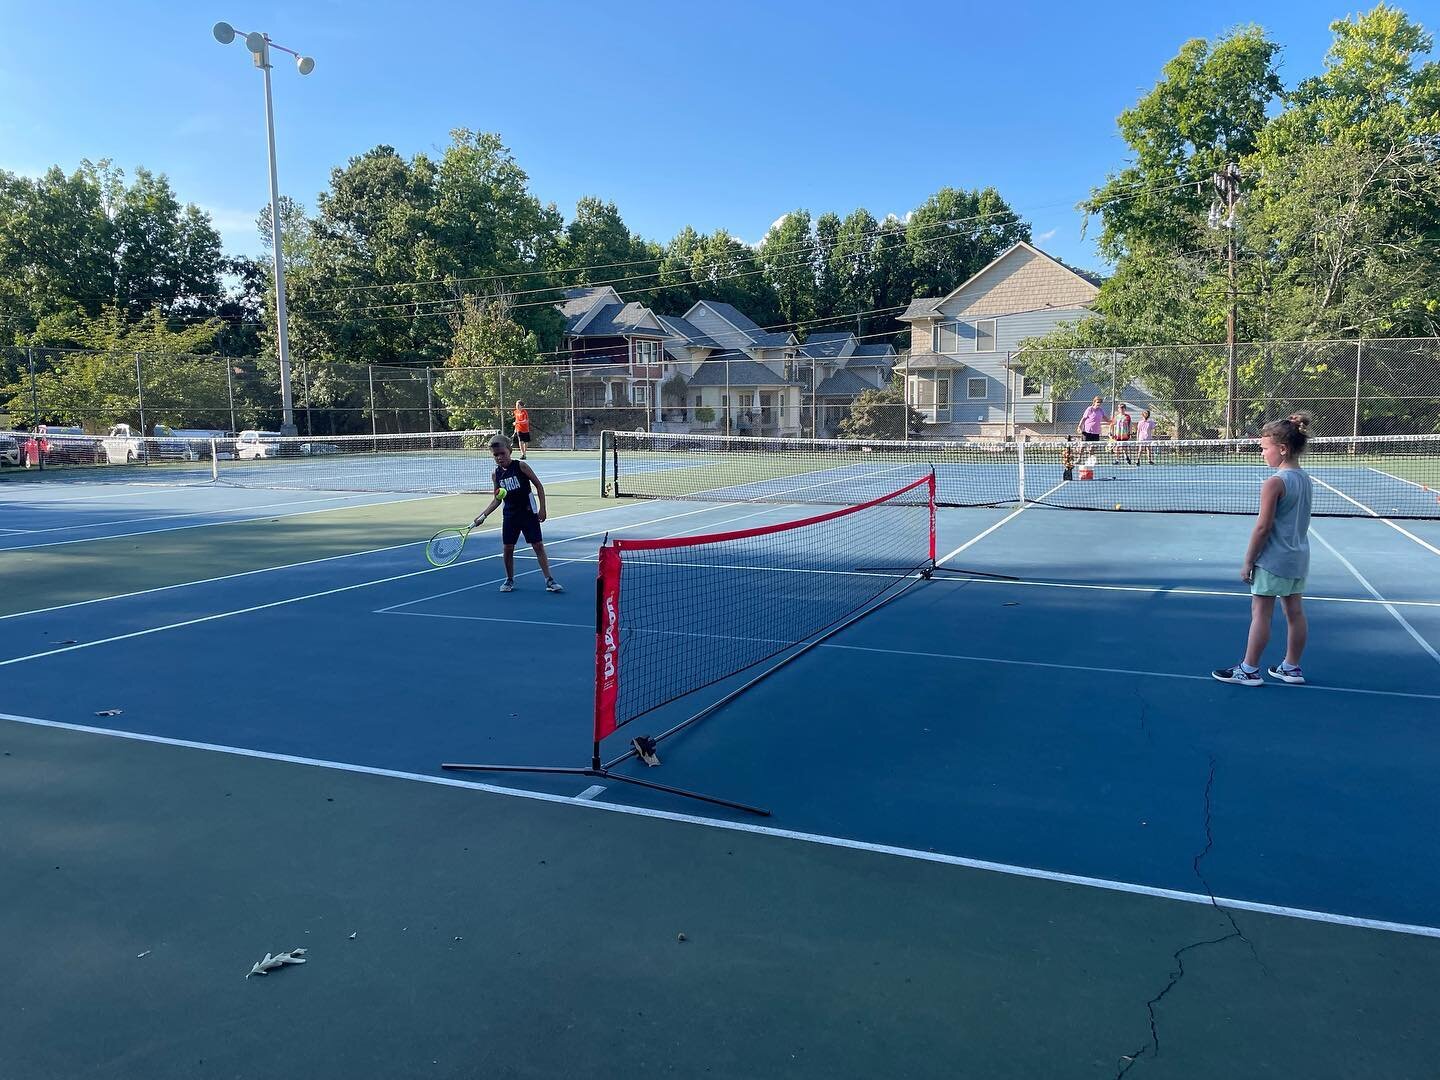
(522, 427)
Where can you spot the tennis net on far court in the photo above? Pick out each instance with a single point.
(680, 614)
(1366, 476)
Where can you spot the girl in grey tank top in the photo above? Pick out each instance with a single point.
(1278, 556)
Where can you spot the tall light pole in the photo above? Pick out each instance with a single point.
(260, 46)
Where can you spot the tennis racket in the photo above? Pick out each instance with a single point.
(445, 546)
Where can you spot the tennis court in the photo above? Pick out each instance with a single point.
(1013, 821)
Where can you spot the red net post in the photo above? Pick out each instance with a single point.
(607, 640)
(932, 492)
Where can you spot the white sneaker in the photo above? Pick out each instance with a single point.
(1293, 675)
(1239, 676)
(551, 585)
(509, 586)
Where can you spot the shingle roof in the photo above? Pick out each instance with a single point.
(843, 384)
(577, 302)
(613, 320)
(921, 307)
(766, 338)
(742, 373)
(824, 345)
(687, 330)
(873, 351)
(732, 315)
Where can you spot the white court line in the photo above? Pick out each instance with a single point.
(292, 600)
(1380, 517)
(1376, 593)
(132, 490)
(821, 839)
(1185, 591)
(1008, 517)
(922, 655)
(187, 514)
(591, 792)
(263, 570)
(210, 524)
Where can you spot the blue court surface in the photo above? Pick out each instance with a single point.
(1062, 725)
(1064, 722)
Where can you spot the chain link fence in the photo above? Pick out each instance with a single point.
(1364, 387)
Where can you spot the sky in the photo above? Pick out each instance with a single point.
(704, 114)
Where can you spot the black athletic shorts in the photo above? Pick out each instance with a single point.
(522, 436)
(513, 525)
(1090, 436)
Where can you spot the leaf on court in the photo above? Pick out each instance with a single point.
(279, 960)
(1011, 603)
(68, 641)
(109, 712)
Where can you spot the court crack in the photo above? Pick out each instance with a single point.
(1152, 1048)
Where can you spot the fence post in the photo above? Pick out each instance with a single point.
(726, 401)
(429, 404)
(140, 393)
(905, 399)
(229, 390)
(1355, 424)
(34, 393)
(305, 384)
(370, 375)
(574, 441)
(815, 398)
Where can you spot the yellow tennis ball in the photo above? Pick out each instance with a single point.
(500, 493)
(1117, 506)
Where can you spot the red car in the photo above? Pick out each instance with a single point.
(50, 445)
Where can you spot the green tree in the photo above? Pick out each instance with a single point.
(94, 386)
(954, 233)
(494, 363)
(880, 414)
(788, 256)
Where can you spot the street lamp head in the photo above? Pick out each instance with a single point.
(306, 64)
(224, 33)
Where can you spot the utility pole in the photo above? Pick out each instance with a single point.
(1227, 189)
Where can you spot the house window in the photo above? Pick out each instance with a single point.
(590, 395)
(985, 335)
(647, 352)
(747, 402)
(640, 393)
(1031, 385)
(946, 338)
(977, 389)
(930, 394)
(698, 401)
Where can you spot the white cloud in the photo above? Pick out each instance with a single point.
(1046, 236)
(778, 222)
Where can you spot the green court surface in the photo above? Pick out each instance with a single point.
(455, 933)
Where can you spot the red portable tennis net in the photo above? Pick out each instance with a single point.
(677, 615)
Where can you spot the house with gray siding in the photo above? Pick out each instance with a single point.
(965, 372)
(714, 368)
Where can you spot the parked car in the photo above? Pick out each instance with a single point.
(9, 450)
(254, 445)
(53, 445)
